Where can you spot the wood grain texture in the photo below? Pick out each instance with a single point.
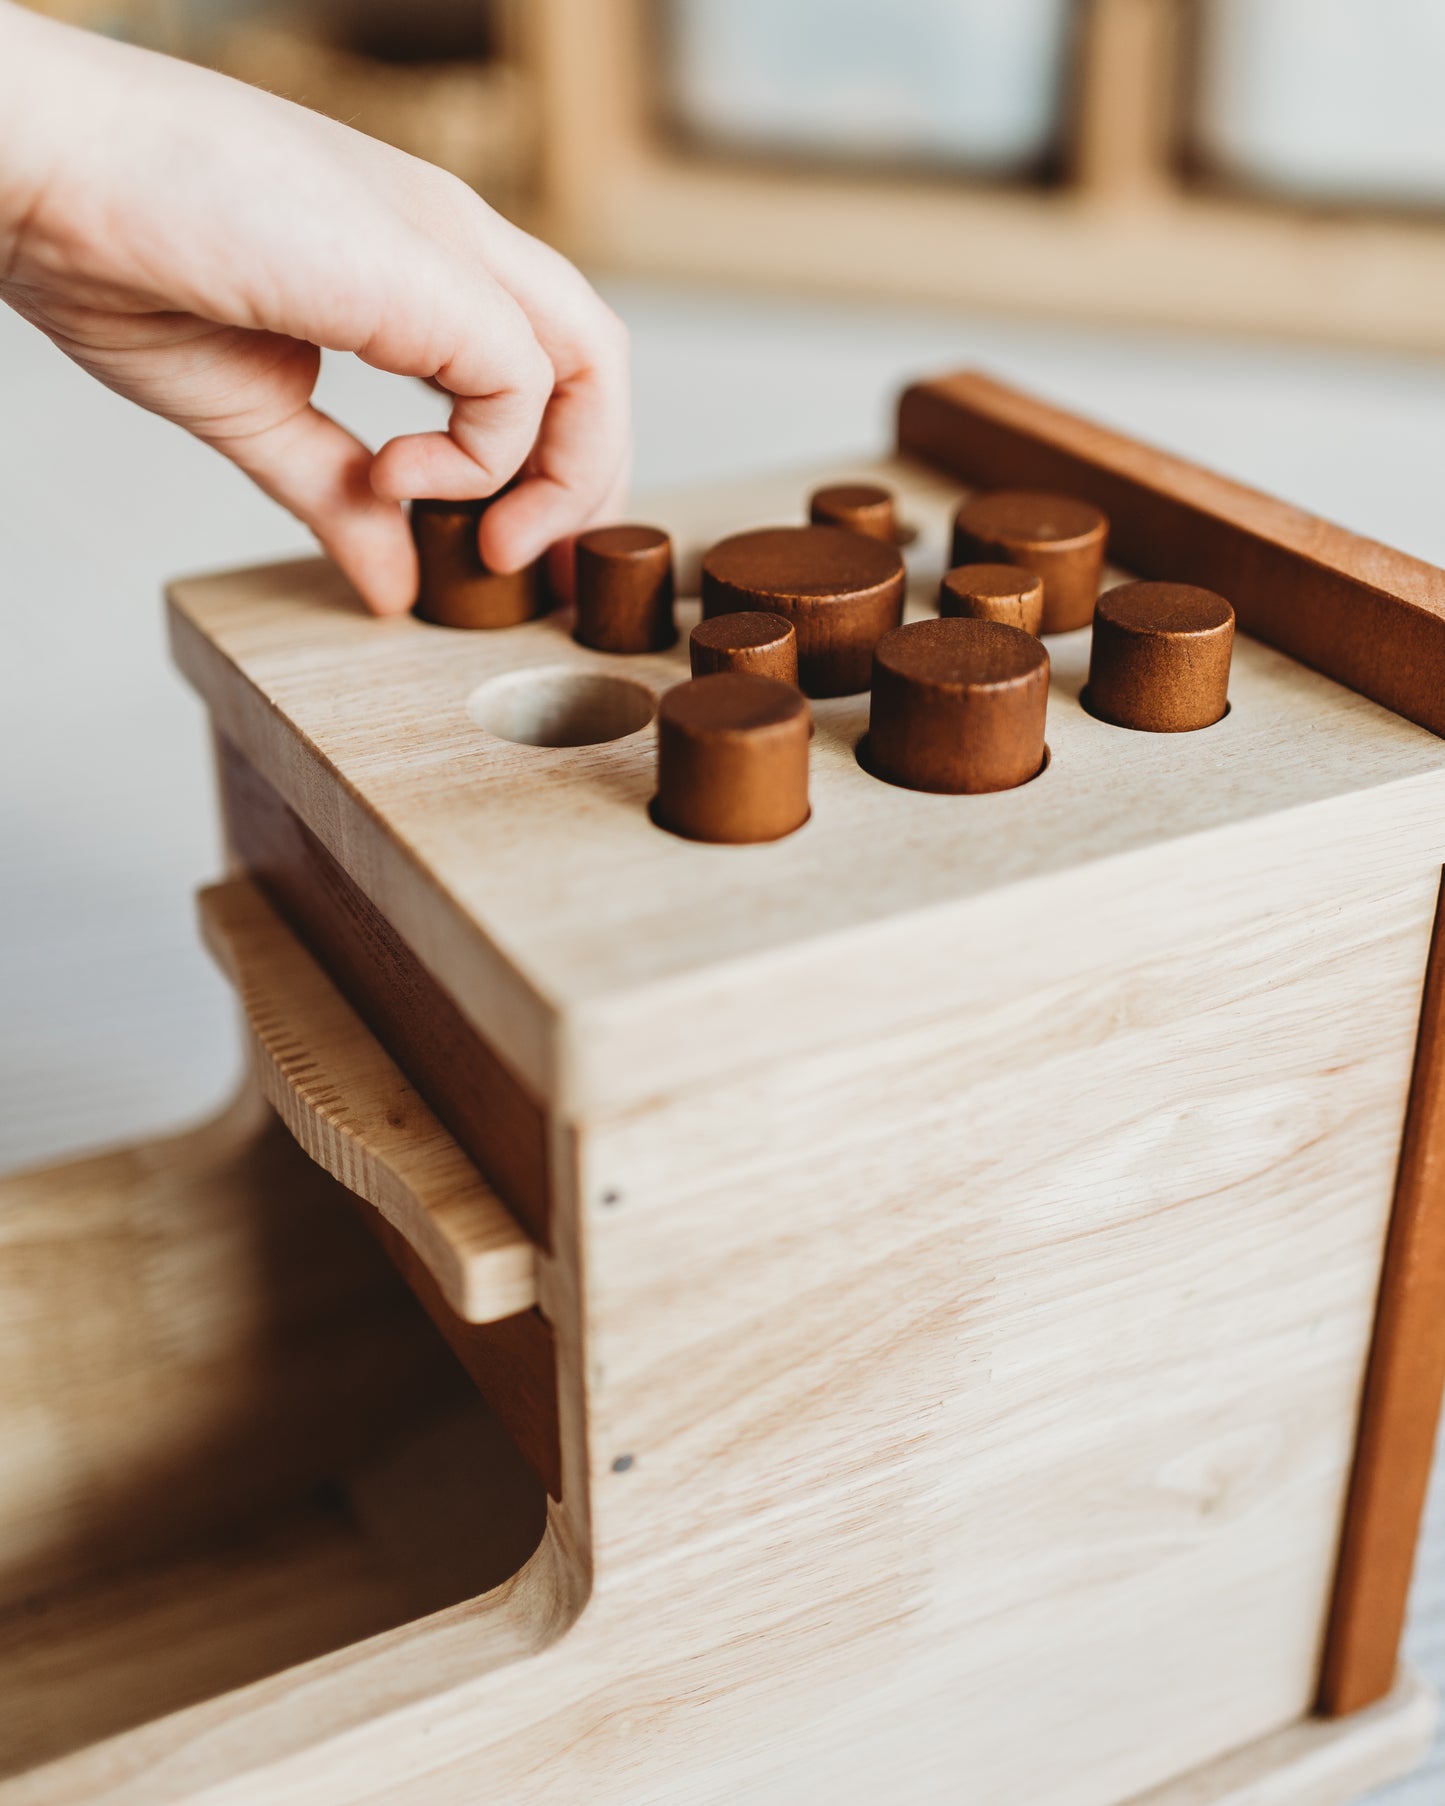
(166, 1312)
(358, 1117)
(1365, 615)
(1030, 1398)
(1317, 1762)
(437, 823)
(1403, 1390)
(474, 1092)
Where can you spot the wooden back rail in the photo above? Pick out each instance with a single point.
(1370, 617)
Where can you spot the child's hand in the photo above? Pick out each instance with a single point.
(192, 242)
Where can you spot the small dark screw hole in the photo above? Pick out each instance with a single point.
(621, 1464)
(610, 1198)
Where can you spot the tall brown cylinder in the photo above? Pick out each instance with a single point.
(732, 759)
(1160, 657)
(861, 507)
(958, 706)
(1058, 537)
(457, 589)
(625, 590)
(764, 645)
(841, 590)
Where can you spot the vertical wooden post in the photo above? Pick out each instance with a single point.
(1403, 1389)
(1125, 99)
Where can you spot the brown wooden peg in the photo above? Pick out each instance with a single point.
(457, 589)
(862, 507)
(841, 590)
(763, 644)
(994, 592)
(958, 706)
(732, 758)
(1160, 657)
(1058, 537)
(625, 590)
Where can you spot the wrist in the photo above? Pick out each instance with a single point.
(45, 72)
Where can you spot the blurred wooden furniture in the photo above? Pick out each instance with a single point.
(1123, 236)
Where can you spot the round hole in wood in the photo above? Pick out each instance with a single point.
(558, 706)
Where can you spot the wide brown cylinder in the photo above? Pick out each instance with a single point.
(625, 590)
(1160, 657)
(841, 590)
(862, 507)
(457, 589)
(764, 645)
(732, 758)
(958, 706)
(1058, 537)
(994, 592)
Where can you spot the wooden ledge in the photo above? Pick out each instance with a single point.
(353, 1111)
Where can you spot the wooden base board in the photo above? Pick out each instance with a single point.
(1318, 1762)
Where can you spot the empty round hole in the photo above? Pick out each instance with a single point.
(561, 707)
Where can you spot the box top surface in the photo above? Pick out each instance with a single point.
(532, 880)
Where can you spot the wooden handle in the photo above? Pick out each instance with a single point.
(355, 1114)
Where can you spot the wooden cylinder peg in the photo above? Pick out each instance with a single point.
(958, 706)
(765, 645)
(1058, 537)
(625, 590)
(841, 590)
(457, 589)
(732, 758)
(862, 507)
(1160, 657)
(994, 592)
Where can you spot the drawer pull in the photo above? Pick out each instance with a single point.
(351, 1108)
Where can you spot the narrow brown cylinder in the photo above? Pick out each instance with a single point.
(958, 706)
(457, 589)
(841, 591)
(764, 645)
(861, 507)
(994, 592)
(732, 758)
(625, 590)
(1160, 657)
(1058, 537)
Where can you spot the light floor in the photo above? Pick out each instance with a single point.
(112, 1021)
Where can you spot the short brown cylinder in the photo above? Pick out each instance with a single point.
(1058, 537)
(732, 758)
(994, 592)
(1160, 657)
(625, 590)
(841, 590)
(457, 589)
(763, 644)
(958, 706)
(861, 507)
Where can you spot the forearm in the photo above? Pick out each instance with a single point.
(33, 78)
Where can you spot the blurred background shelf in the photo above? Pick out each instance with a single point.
(1268, 166)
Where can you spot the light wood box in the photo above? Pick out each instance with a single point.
(957, 1293)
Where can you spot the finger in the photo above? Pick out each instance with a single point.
(583, 454)
(502, 380)
(322, 474)
(562, 553)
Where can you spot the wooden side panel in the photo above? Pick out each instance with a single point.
(477, 1096)
(1365, 615)
(1403, 1390)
